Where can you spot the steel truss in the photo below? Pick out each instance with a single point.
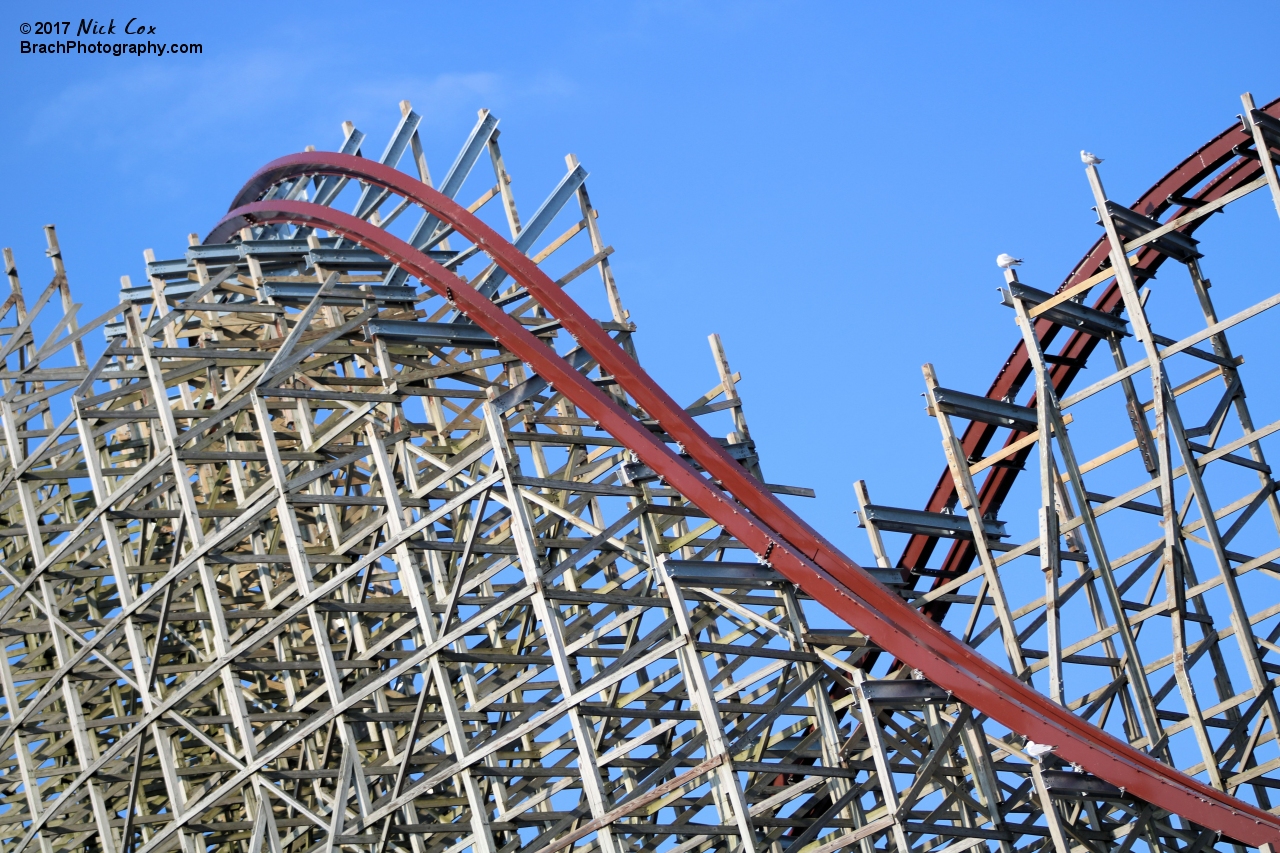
(310, 558)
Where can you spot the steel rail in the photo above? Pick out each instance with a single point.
(1178, 182)
(753, 515)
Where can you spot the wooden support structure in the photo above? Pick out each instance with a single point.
(305, 558)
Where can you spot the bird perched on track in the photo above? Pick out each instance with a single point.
(1038, 750)
(1004, 260)
(1089, 159)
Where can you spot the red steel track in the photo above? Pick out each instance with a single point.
(732, 497)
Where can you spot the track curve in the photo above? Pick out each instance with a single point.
(1179, 183)
(749, 512)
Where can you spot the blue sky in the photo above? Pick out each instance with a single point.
(824, 184)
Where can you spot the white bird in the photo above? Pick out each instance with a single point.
(1004, 260)
(1089, 159)
(1038, 750)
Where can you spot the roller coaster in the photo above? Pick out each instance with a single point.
(359, 526)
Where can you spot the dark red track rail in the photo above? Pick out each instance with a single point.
(733, 498)
(1181, 181)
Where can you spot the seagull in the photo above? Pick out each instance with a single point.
(1004, 260)
(1038, 750)
(1089, 159)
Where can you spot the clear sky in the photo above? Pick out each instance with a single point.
(824, 184)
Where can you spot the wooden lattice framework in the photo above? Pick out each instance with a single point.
(306, 560)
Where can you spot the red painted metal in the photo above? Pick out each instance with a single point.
(733, 498)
